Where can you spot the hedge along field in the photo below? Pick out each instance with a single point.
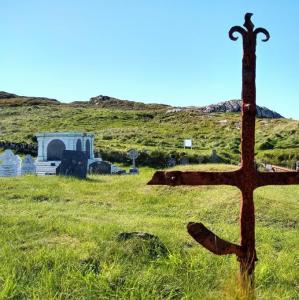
(59, 239)
(155, 131)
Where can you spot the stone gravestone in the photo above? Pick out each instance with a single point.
(73, 163)
(100, 167)
(28, 165)
(184, 161)
(18, 161)
(297, 166)
(268, 168)
(133, 154)
(214, 158)
(171, 162)
(200, 159)
(9, 164)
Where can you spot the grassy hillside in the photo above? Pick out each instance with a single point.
(59, 239)
(277, 140)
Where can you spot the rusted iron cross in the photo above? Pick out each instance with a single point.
(246, 178)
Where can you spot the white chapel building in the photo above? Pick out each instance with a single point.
(51, 146)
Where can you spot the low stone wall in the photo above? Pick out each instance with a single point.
(157, 159)
(20, 148)
(160, 159)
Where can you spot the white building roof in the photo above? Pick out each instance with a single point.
(64, 134)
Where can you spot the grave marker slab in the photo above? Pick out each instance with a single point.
(133, 154)
(171, 162)
(28, 165)
(100, 167)
(184, 161)
(9, 164)
(73, 163)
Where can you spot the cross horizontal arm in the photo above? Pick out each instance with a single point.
(196, 178)
(279, 178)
(212, 242)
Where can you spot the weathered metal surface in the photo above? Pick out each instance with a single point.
(281, 169)
(212, 242)
(247, 178)
(234, 178)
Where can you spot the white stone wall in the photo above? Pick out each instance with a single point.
(68, 138)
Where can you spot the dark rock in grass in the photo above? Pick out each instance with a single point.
(40, 198)
(90, 265)
(153, 244)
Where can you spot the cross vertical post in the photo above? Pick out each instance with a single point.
(247, 217)
(246, 178)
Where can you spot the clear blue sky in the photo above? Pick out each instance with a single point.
(166, 51)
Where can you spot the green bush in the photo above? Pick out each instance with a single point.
(265, 146)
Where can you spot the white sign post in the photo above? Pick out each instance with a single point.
(188, 143)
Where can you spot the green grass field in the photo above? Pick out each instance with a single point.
(59, 239)
(277, 140)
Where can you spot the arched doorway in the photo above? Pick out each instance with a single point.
(55, 149)
(79, 145)
(88, 148)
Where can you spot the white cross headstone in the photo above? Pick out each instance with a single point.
(133, 154)
(28, 165)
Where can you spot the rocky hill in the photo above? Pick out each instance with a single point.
(236, 106)
(222, 107)
(101, 101)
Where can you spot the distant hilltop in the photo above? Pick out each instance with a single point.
(15, 100)
(101, 101)
(110, 102)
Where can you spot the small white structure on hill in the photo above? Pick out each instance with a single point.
(188, 143)
(51, 146)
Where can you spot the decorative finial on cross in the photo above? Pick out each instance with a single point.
(246, 178)
(248, 24)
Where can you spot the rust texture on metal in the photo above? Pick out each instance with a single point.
(212, 242)
(246, 178)
(281, 169)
